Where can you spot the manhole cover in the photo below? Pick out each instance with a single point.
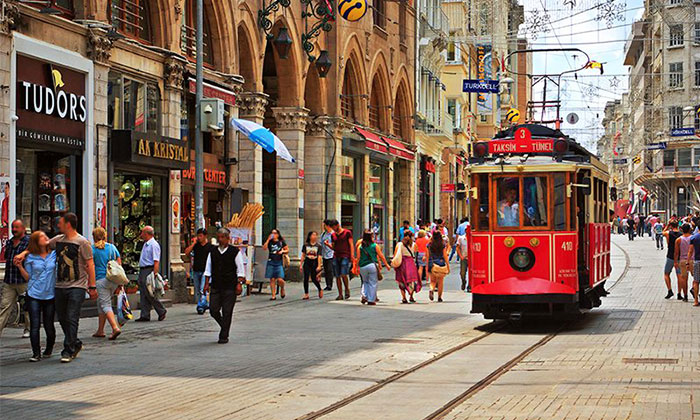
(649, 360)
(397, 340)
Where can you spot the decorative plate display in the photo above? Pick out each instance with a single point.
(130, 231)
(59, 202)
(59, 182)
(124, 213)
(44, 202)
(146, 186)
(45, 181)
(127, 191)
(136, 208)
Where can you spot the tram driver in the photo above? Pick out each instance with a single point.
(508, 209)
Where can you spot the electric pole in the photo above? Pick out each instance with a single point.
(198, 147)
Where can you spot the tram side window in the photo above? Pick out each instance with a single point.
(483, 191)
(508, 199)
(559, 201)
(535, 201)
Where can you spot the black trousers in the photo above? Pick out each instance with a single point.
(68, 304)
(221, 303)
(329, 272)
(310, 274)
(630, 234)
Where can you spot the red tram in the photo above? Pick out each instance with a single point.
(539, 237)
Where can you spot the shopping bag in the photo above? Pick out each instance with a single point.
(123, 309)
(203, 304)
(398, 258)
(116, 274)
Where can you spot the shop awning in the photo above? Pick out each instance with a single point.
(398, 149)
(430, 166)
(373, 141)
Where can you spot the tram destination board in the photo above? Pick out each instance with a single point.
(521, 143)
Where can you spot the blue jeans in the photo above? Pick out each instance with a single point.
(453, 252)
(370, 280)
(41, 311)
(198, 282)
(68, 304)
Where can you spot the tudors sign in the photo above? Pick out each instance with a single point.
(52, 107)
(147, 149)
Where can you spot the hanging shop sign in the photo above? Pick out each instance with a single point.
(656, 146)
(212, 91)
(448, 188)
(621, 161)
(484, 71)
(682, 132)
(52, 107)
(352, 10)
(480, 86)
(150, 150)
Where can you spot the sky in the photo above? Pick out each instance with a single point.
(599, 28)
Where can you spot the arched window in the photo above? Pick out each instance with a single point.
(65, 7)
(349, 95)
(132, 18)
(377, 108)
(188, 40)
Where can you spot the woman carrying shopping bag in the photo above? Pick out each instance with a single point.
(404, 264)
(103, 253)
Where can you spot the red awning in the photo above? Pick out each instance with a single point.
(373, 141)
(399, 149)
(430, 166)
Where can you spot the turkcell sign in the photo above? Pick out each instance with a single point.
(480, 85)
(682, 132)
(656, 146)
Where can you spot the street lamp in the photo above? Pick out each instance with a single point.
(323, 63)
(283, 43)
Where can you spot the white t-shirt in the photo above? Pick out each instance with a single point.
(463, 245)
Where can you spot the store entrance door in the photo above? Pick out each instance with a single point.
(350, 218)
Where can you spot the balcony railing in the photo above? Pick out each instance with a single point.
(436, 19)
(441, 124)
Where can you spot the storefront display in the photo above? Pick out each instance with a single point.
(138, 204)
(350, 176)
(377, 200)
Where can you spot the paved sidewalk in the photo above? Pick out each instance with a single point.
(637, 357)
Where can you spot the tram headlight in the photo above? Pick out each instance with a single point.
(522, 259)
(481, 149)
(561, 146)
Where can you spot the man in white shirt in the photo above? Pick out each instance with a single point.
(149, 262)
(463, 252)
(224, 275)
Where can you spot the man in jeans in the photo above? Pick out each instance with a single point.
(149, 262)
(344, 249)
(694, 252)
(75, 273)
(14, 285)
(328, 254)
(201, 248)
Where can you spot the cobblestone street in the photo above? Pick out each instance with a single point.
(636, 357)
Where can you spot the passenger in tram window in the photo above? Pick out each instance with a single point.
(508, 206)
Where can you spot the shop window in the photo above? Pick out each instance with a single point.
(669, 158)
(508, 202)
(47, 183)
(131, 18)
(376, 182)
(696, 156)
(188, 38)
(133, 105)
(349, 178)
(684, 157)
(559, 201)
(138, 203)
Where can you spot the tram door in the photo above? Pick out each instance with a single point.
(583, 211)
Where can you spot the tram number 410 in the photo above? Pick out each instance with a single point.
(567, 246)
(477, 247)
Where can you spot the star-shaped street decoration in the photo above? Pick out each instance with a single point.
(614, 82)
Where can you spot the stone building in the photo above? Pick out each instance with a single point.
(121, 154)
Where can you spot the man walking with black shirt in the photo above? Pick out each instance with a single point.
(224, 274)
(201, 248)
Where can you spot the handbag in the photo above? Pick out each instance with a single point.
(440, 270)
(203, 304)
(380, 276)
(286, 261)
(123, 309)
(116, 273)
(398, 258)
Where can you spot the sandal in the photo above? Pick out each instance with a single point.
(320, 294)
(114, 335)
(412, 300)
(272, 298)
(96, 335)
(404, 301)
(306, 297)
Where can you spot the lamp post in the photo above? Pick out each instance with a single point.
(198, 147)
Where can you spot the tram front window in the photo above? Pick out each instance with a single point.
(508, 211)
(535, 200)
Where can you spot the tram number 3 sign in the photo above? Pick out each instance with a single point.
(522, 143)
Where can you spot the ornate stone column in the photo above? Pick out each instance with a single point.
(173, 77)
(251, 106)
(291, 129)
(9, 19)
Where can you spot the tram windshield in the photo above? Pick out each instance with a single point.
(521, 202)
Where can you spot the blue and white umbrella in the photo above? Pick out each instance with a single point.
(264, 137)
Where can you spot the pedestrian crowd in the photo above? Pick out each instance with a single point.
(55, 276)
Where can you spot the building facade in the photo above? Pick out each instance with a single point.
(121, 154)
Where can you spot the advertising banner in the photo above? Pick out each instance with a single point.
(484, 104)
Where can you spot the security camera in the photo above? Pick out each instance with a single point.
(15, 117)
(217, 132)
(208, 109)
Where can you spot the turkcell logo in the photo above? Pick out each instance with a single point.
(480, 85)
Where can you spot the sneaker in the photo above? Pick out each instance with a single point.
(77, 351)
(223, 341)
(430, 295)
(669, 295)
(439, 299)
(47, 353)
(162, 317)
(65, 358)
(679, 297)
(35, 358)
(25, 334)
(464, 285)
(327, 289)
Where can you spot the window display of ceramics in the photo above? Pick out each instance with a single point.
(127, 191)
(146, 188)
(137, 208)
(44, 202)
